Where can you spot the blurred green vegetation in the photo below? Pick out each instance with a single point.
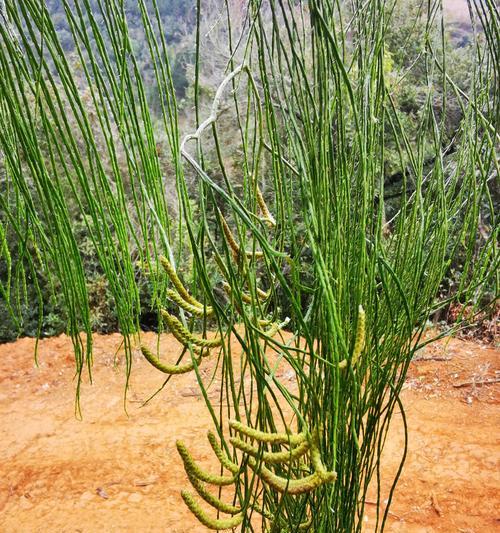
(407, 78)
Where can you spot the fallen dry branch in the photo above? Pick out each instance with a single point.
(432, 358)
(487, 381)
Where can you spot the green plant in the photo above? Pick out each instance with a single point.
(307, 92)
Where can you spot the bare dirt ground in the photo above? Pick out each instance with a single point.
(113, 472)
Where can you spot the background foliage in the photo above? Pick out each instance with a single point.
(405, 74)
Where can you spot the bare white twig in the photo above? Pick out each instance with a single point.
(214, 112)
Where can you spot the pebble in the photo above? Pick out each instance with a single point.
(86, 496)
(135, 498)
(24, 503)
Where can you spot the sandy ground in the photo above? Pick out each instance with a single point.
(113, 472)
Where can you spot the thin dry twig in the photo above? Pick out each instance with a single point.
(432, 358)
(394, 515)
(145, 483)
(435, 504)
(487, 381)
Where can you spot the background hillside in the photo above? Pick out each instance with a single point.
(404, 67)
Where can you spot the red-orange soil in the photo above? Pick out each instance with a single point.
(113, 472)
